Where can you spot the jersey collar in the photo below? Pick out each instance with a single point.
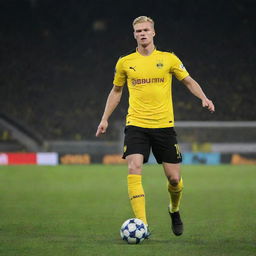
(153, 52)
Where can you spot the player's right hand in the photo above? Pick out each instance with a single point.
(102, 128)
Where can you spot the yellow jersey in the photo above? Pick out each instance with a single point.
(149, 80)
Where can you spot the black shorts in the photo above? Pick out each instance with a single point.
(162, 141)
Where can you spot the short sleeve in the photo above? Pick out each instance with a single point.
(178, 69)
(120, 75)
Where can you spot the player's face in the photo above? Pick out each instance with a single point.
(144, 33)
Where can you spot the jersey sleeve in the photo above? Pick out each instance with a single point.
(120, 75)
(178, 69)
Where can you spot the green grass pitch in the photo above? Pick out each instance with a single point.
(78, 210)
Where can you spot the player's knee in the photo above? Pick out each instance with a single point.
(174, 181)
(134, 168)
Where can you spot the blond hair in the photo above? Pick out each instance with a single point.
(142, 19)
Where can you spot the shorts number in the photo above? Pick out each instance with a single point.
(177, 150)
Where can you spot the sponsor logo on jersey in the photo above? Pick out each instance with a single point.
(148, 80)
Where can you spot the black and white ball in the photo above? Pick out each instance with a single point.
(133, 231)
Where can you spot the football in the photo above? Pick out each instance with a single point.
(133, 231)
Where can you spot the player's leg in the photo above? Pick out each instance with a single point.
(136, 152)
(175, 187)
(166, 151)
(135, 188)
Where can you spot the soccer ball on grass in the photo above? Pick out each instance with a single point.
(133, 231)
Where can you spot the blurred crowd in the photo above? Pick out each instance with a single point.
(57, 60)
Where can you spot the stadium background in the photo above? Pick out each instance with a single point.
(58, 58)
(56, 68)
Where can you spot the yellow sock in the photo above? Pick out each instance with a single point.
(175, 195)
(137, 196)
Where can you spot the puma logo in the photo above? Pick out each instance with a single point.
(133, 68)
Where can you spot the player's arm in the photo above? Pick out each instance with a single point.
(196, 89)
(112, 102)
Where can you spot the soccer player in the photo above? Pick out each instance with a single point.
(150, 120)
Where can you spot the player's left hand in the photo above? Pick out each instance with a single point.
(206, 103)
